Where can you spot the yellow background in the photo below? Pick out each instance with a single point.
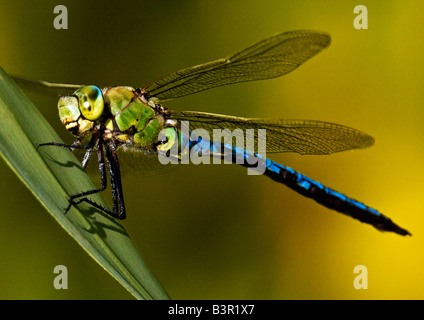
(213, 232)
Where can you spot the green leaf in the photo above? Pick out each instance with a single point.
(52, 174)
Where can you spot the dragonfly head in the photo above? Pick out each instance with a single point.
(79, 112)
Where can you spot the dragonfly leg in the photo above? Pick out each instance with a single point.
(118, 211)
(114, 172)
(115, 181)
(83, 195)
(102, 170)
(94, 204)
(75, 145)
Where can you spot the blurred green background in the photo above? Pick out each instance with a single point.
(213, 232)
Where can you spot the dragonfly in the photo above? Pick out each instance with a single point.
(126, 118)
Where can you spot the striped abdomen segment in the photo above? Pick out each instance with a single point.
(330, 198)
(301, 184)
(320, 193)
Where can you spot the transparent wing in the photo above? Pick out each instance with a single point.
(44, 87)
(267, 59)
(300, 136)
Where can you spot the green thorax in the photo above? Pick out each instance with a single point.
(135, 121)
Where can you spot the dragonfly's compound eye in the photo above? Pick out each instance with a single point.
(91, 103)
